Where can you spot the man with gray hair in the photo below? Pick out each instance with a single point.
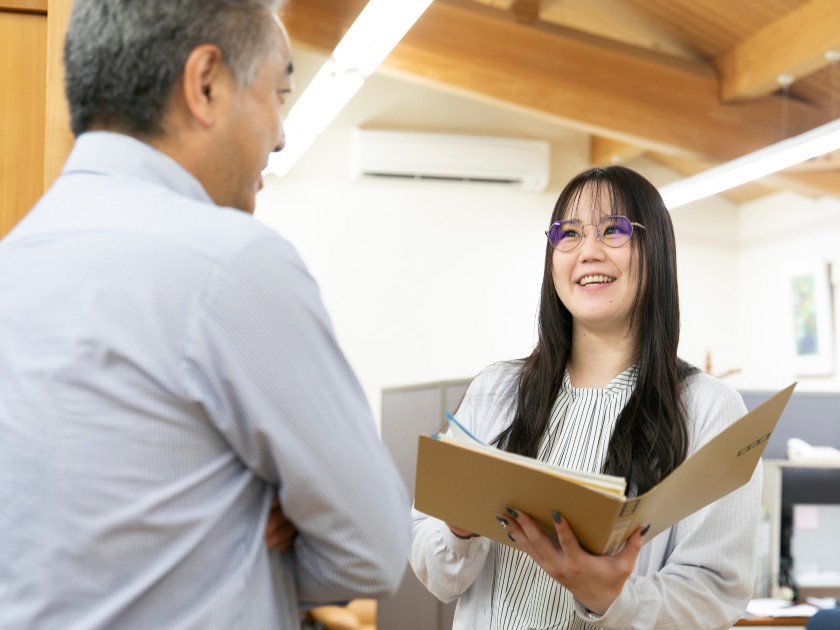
(169, 379)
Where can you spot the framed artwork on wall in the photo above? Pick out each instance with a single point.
(809, 288)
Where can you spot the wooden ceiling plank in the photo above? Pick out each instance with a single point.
(794, 45)
(585, 82)
(589, 83)
(621, 21)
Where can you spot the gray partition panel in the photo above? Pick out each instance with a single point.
(815, 418)
(407, 413)
(810, 416)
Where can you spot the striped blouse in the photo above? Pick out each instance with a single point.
(581, 424)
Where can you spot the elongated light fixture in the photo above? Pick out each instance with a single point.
(770, 159)
(377, 30)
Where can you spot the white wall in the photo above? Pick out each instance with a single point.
(429, 281)
(776, 236)
(707, 255)
(422, 283)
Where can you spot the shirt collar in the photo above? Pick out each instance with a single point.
(119, 155)
(621, 383)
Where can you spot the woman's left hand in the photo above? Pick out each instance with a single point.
(595, 581)
(279, 531)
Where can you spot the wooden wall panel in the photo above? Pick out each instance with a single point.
(35, 136)
(23, 51)
(58, 138)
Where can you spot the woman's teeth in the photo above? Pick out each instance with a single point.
(587, 280)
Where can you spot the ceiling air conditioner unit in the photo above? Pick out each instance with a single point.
(412, 155)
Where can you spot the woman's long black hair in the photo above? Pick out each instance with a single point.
(651, 434)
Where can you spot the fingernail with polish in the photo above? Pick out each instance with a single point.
(645, 529)
(512, 512)
(512, 539)
(502, 521)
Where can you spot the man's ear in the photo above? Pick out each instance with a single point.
(205, 80)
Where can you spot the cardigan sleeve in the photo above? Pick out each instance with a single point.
(700, 572)
(446, 564)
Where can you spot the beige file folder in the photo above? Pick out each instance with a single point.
(467, 487)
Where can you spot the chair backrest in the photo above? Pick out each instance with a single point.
(828, 619)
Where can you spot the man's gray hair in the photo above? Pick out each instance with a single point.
(122, 58)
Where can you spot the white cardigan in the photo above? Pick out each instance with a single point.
(697, 574)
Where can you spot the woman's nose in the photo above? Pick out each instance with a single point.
(591, 247)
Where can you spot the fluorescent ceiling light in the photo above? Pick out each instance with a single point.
(378, 29)
(747, 168)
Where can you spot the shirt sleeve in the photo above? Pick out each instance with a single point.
(700, 572)
(263, 361)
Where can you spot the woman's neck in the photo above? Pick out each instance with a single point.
(597, 358)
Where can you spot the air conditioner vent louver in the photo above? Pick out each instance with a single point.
(516, 162)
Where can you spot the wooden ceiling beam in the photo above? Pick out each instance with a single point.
(24, 6)
(794, 45)
(621, 21)
(526, 11)
(827, 162)
(584, 82)
(809, 183)
(604, 151)
(318, 23)
(688, 167)
(814, 184)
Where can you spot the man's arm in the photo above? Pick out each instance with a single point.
(288, 402)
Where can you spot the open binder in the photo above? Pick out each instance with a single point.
(467, 484)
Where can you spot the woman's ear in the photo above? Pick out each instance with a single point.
(205, 80)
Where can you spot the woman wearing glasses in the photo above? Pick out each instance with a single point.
(603, 391)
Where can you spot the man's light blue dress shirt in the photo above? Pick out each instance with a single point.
(165, 366)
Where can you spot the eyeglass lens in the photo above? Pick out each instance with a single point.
(613, 231)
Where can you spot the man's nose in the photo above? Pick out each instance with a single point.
(281, 139)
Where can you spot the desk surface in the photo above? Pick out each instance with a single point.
(802, 463)
(795, 622)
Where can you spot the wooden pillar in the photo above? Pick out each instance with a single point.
(58, 140)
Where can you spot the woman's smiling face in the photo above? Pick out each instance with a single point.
(598, 284)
